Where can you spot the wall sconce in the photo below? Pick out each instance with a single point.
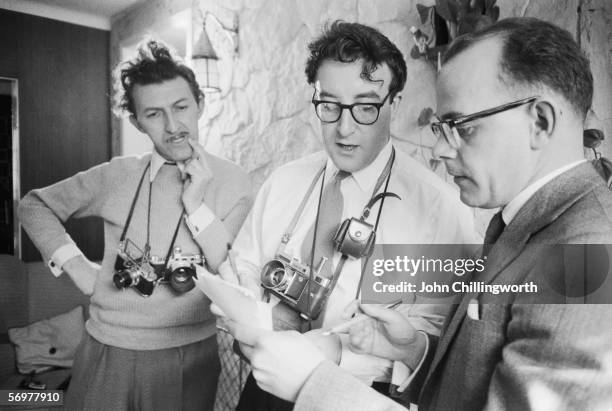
(205, 63)
(204, 55)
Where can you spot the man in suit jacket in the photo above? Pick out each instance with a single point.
(512, 100)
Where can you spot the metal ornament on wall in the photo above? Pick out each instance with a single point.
(216, 45)
(205, 63)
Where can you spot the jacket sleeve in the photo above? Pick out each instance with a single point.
(331, 388)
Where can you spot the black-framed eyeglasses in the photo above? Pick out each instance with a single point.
(448, 128)
(363, 113)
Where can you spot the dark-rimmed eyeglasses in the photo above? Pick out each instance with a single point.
(363, 113)
(448, 128)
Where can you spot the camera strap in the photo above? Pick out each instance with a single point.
(289, 231)
(296, 217)
(178, 225)
(366, 210)
(385, 176)
(131, 213)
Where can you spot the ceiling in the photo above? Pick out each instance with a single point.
(100, 8)
(94, 13)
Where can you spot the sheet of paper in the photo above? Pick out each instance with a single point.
(238, 303)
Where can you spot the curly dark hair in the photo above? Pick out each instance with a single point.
(347, 42)
(535, 53)
(153, 64)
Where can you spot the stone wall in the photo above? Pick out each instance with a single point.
(263, 118)
(595, 28)
(128, 27)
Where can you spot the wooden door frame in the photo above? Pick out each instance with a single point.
(15, 162)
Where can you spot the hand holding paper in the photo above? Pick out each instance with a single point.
(236, 303)
(281, 360)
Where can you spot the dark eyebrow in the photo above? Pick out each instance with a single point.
(180, 100)
(324, 94)
(369, 94)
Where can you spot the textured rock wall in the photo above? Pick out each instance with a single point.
(596, 40)
(263, 118)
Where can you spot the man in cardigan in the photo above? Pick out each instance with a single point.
(512, 100)
(157, 352)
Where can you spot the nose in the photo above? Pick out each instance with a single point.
(442, 150)
(171, 124)
(346, 123)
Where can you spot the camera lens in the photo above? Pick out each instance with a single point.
(181, 279)
(122, 279)
(276, 278)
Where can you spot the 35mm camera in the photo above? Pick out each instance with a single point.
(289, 280)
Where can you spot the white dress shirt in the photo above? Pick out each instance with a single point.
(429, 212)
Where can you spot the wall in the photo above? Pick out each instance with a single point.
(64, 110)
(595, 28)
(263, 117)
(127, 29)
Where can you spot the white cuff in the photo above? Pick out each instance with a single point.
(366, 368)
(199, 220)
(60, 256)
(408, 380)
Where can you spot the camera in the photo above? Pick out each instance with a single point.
(355, 238)
(181, 270)
(134, 272)
(288, 279)
(144, 273)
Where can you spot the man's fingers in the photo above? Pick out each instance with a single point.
(382, 314)
(351, 309)
(198, 150)
(244, 333)
(226, 272)
(247, 350)
(359, 335)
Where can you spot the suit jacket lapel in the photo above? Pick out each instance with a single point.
(543, 207)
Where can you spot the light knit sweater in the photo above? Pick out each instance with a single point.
(123, 318)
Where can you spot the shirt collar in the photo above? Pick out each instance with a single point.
(513, 207)
(157, 161)
(366, 178)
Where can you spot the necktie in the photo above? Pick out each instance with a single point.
(330, 214)
(494, 230)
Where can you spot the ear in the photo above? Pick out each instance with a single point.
(395, 104)
(201, 106)
(135, 123)
(543, 123)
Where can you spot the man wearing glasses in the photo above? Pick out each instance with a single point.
(357, 75)
(512, 101)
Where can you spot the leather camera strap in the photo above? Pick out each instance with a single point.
(289, 231)
(129, 217)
